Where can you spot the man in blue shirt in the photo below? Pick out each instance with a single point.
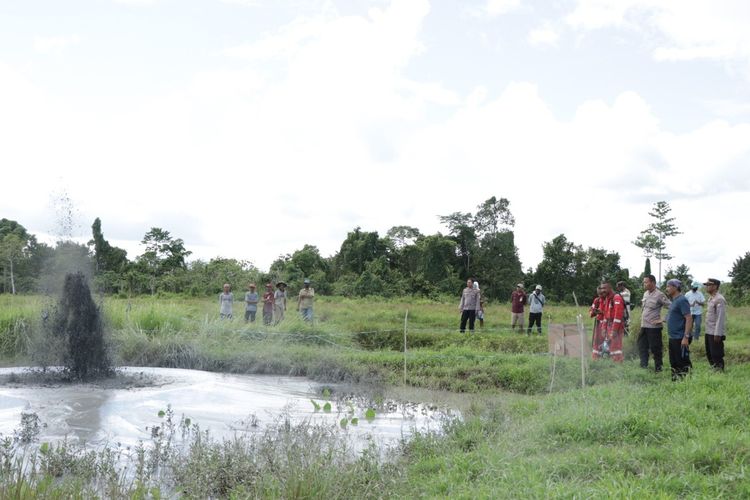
(679, 329)
(696, 300)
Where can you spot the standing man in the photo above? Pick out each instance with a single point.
(716, 319)
(596, 311)
(679, 329)
(251, 303)
(226, 299)
(696, 300)
(268, 304)
(480, 313)
(625, 294)
(517, 301)
(469, 305)
(536, 303)
(650, 337)
(279, 302)
(611, 329)
(305, 300)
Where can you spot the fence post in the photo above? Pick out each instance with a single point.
(406, 321)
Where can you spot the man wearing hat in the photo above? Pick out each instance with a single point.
(305, 300)
(251, 303)
(279, 302)
(696, 300)
(536, 303)
(517, 301)
(679, 329)
(716, 318)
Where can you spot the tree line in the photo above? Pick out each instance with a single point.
(404, 261)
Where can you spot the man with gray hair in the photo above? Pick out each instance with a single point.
(716, 317)
(679, 330)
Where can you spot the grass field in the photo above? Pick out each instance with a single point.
(630, 433)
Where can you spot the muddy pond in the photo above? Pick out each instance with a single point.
(109, 413)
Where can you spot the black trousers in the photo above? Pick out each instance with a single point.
(650, 340)
(680, 364)
(468, 314)
(715, 351)
(535, 318)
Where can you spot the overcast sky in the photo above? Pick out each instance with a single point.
(249, 128)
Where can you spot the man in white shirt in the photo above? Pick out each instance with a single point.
(696, 300)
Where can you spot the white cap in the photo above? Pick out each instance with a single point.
(538, 287)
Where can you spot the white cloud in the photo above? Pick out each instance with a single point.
(684, 30)
(55, 45)
(544, 35)
(329, 133)
(500, 7)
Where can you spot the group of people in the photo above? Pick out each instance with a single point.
(471, 307)
(611, 310)
(274, 302)
(683, 319)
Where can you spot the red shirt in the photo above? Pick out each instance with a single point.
(517, 301)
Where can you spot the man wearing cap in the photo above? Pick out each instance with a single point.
(469, 305)
(226, 299)
(536, 303)
(251, 303)
(305, 300)
(517, 301)
(279, 302)
(679, 329)
(716, 318)
(650, 336)
(268, 304)
(696, 300)
(611, 326)
(623, 291)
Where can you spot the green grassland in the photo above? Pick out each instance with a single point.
(631, 433)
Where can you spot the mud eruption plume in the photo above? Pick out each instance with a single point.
(78, 321)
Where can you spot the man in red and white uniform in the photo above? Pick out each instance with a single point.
(600, 324)
(614, 312)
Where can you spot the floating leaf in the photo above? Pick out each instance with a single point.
(370, 414)
(327, 406)
(161, 413)
(354, 421)
(343, 423)
(326, 392)
(315, 405)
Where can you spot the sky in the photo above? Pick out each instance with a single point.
(250, 128)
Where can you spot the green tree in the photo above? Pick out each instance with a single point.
(21, 257)
(11, 251)
(652, 240)
(403, 235)
(492, 216)
(462, 231)
(165, 256)
(359, 248)
(740, 274)
(566, 268)
(497, 265)
(682, 273)
(110, 262)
